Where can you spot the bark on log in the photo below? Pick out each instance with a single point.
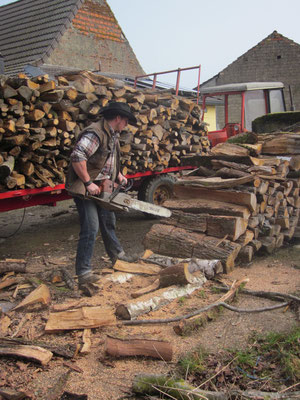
(151, 385)
(187, 326)
(136, 268)
(233, 197)
(138, 347)
(154, 301)
(215, 182)
(209, 267)
(177, 242)
(199, 205)
(35, 353)
(8, 267)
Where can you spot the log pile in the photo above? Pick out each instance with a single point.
(233, 207)
(40, 120)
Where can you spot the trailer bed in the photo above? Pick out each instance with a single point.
(23, 198)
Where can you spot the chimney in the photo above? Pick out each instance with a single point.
(1, 64)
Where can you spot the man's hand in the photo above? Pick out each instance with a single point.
(122, 179)
(93, 189)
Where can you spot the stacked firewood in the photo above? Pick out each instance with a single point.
(234, 207)
(41, 118)
(285, 144)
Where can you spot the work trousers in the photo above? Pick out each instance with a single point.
(91, 218)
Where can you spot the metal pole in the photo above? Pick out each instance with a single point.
(243, 112)
(226, 109)
(198, 85)
(154, 81)
(177, 81)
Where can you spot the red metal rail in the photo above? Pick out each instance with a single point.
(16, 199)
(179, 70)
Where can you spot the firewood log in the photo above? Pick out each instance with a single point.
(177, 242)
(138, 347)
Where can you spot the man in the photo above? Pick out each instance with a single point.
(96, 157)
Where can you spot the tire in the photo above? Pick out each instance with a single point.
(157, 190)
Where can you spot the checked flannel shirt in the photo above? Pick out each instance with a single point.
(88, 145)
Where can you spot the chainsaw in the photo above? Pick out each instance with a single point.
(111, 198)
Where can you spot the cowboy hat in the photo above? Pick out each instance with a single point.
(118, 108)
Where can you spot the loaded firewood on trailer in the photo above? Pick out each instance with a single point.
(40, 120)
(217, 215)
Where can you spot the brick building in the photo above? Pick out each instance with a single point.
(275, 58)
(81, 34)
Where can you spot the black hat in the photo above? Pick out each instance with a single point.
(118, 108)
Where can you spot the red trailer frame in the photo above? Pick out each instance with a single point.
(23, 198)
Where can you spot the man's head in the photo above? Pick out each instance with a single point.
(118, 115)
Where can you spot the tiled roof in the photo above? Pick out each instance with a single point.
(29, 28)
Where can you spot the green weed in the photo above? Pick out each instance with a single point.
(193, 362)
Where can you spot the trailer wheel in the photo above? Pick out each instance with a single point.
(157, 190)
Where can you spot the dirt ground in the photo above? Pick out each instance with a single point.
(47, 240)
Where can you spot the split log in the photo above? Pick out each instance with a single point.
(86, 338)
(233, 197)
(41, 295)
(246, 238)
(136, 268)
(199, 205)
(66, 351)
(138, 347)
(268, 243)
(34, 353)
(82, 318)
(229, 149)
(215, 182)
(245, 255)
(177, 242)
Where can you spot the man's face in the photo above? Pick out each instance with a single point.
(122, 122)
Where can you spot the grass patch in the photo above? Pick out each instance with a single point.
(193, 362)
(270, 362)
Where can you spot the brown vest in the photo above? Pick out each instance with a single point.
(97, 161)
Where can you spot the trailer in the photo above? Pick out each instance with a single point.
(151, 186)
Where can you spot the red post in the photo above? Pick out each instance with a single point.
(178, 80)
(226, 109)
(198, 85)
(203, 107)
(154, 81)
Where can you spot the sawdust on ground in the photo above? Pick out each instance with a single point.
(47, 240)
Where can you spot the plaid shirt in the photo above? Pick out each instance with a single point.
(88, 145)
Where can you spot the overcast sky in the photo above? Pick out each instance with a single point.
(171, 34)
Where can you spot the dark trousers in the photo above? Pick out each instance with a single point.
(91, 218)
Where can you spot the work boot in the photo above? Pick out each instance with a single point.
(88, 278)
(124, 257)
